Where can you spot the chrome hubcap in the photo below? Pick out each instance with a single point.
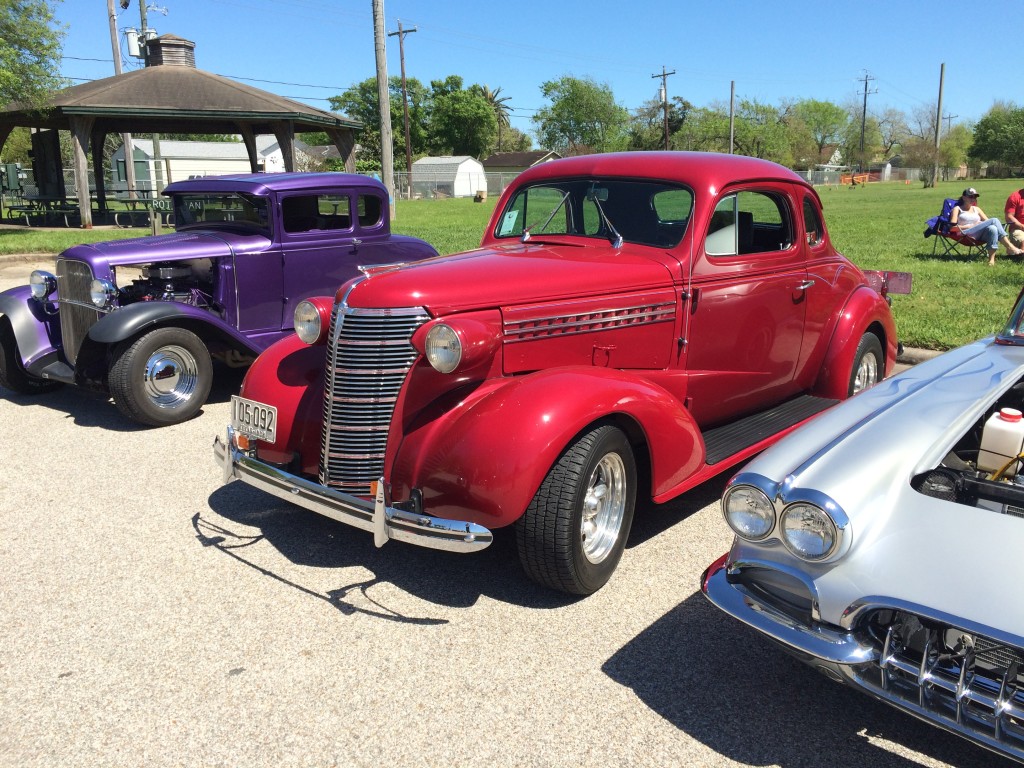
(867, 374)
(171, 376)
(603, 508)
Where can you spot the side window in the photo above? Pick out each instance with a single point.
(369, 209)
(306, 213)
(812, 224)
(542, 210)
(749, 222)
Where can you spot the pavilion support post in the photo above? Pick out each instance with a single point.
(5, 132)
(81, 127)
(99, 137)
(250, 145)
(285, 133)
(346, 144)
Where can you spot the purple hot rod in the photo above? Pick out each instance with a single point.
(143, 318)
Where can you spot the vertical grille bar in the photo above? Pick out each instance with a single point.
(77, 314)
(367, 362)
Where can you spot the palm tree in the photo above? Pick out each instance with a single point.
(501, 109)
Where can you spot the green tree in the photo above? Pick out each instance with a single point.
(516, 141)
(824, 121)
(954, 147)
(30, 52)
(706, 129)
(360, 103)
(582, 117)
(462, 122)
(647, 128)
(761, 131)
(999, 136)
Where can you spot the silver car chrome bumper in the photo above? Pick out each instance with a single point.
(383, 521)
(825, 644)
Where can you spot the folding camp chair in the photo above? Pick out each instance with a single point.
(946, 235)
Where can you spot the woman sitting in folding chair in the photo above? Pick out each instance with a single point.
(971, 221)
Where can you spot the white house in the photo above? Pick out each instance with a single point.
(454, 176)
(184, 159)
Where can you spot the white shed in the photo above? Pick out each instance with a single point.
(184, 159)
(454, 176)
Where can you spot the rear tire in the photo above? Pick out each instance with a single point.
(13, 376)
(162, 377)
(572, 535)
(868, 365)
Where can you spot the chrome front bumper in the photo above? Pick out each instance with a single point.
(376, 516)
(828, 645)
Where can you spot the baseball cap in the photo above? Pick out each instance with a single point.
(970, 192)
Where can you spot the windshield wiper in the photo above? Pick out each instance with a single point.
(616, 238)
(557, 208)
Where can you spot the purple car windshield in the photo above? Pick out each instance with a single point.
(238, 208)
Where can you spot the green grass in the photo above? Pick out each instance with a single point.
(879, 226)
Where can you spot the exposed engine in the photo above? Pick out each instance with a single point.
(970, 475)
(188, 282)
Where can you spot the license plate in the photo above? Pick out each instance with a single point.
(254, 419)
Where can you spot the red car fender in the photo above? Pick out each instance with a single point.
(483, 459)
(865, 311)
(289, 375)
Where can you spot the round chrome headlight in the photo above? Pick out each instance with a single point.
(307, 322)
(808, 531)
(42, 284)
(443, 348)
(102, 293)
(748, 512)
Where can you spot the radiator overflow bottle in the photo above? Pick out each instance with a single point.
(1002, 439)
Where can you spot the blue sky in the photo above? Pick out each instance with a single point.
(787, 49)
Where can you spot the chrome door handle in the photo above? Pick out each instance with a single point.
(805, 285)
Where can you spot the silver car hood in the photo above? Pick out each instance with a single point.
(905, 546)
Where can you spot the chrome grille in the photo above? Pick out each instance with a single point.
(367, 362)
(77, 313)
(967, 682)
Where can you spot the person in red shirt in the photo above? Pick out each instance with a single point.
(1015, 215)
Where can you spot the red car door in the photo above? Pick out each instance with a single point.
(747, 309)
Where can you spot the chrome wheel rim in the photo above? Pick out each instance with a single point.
(171, 377)
(867, 374)
(604, 506)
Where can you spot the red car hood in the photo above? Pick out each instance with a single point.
(493, 277)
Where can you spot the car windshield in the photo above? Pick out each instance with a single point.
(644, 212)
(238, 208)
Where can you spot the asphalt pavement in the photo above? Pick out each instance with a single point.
(153, 617)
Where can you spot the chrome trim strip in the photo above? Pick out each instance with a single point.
(829, 645)
(375, 516)
(564, 326)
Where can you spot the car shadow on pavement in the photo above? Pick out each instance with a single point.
(241, 516)
(652, 519)
(736, 692)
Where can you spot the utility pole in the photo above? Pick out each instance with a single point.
(387, 160)
(864, 118)
(938, 125)
(401, 33)
(949, 122)
(129, 150)
(664, 97)
(732, 116)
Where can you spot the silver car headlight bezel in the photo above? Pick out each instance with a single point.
(103, 293)
(744, 504)
(802, 524)
(42, 284)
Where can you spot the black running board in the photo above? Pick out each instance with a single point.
(729, 439)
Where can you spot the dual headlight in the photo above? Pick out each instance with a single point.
(812, 529)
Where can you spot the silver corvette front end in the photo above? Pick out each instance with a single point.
(878, 545)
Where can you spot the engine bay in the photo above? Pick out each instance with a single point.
(188, 282)
(971, 473)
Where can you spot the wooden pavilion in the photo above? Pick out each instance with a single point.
(170, 95)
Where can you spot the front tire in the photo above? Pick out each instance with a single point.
(868, 365)
(572, 535)
(161, 378)
(13, 376)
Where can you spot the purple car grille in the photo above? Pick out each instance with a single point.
(963, 681)
(368, 359)
(77, 313)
